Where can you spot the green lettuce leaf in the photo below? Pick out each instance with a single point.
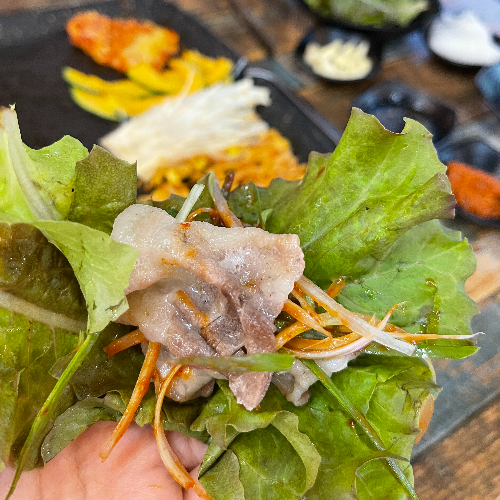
(425, 273)
(29, 349)
(73, 422)
(42, 312)
(260, 476)
(43, 181)
(38, 183)
(101, 265)
(103, 386)
(247, 448)
(96, 207)
(86, 295)
(362, 216)
(371, 12)
(353, 205)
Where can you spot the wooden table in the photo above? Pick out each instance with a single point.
(464, 463)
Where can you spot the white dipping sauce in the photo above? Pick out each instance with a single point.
(339, 60)
(463, 39)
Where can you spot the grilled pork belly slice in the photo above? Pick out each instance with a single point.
(206, 290)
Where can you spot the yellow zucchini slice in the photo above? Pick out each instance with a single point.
(213, 70)
(101, 105)
(96, 85)
(161, 82)
(112, 107)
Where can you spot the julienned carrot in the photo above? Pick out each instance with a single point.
(172, 463)
(140, 389)
(299, 314)
(130, 339)
(289, 333)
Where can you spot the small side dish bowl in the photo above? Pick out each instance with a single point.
(476, 179)
(487, 82)
(392, 101)
(387, 31)
(463, 41)
(340, 51)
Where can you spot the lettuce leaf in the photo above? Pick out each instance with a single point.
(425, 272)
(101, 265)
(371, 12)
(43, 183)
(361, 213)
(40, 188)
(389, 392)
(365, 213)
(262, 476)
(42, 310)
(39, 182)
(354, 204)
(96, 207)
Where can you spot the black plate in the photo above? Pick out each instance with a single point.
(392, 101)
(488, 83)
(474, 152)
(325, 34)
(34, 48)
(294, 118)
(385, 32)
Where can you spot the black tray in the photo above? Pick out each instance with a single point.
(294, 118)
(34, 48)
(391, 101)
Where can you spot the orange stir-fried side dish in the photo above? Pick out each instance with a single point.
(270, 157)
(122, 43)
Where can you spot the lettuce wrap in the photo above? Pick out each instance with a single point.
(368, 213)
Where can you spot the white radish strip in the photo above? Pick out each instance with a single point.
(37, 313)
(328, 320)
(325, 354)
(188, 204)
(172, 463)
(352, 321)
(432, 336)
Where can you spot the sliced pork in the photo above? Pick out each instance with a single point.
(206, 290)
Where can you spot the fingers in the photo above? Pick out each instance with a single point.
(190, 494)
(189, 451)
(133, 470)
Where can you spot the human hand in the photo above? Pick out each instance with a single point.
(133, 470)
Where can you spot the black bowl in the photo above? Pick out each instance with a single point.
(487, 81)
(392, 101)
(324, 34)
(385, 32)
(473, 152)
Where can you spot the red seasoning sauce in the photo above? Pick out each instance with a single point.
(475, 191)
